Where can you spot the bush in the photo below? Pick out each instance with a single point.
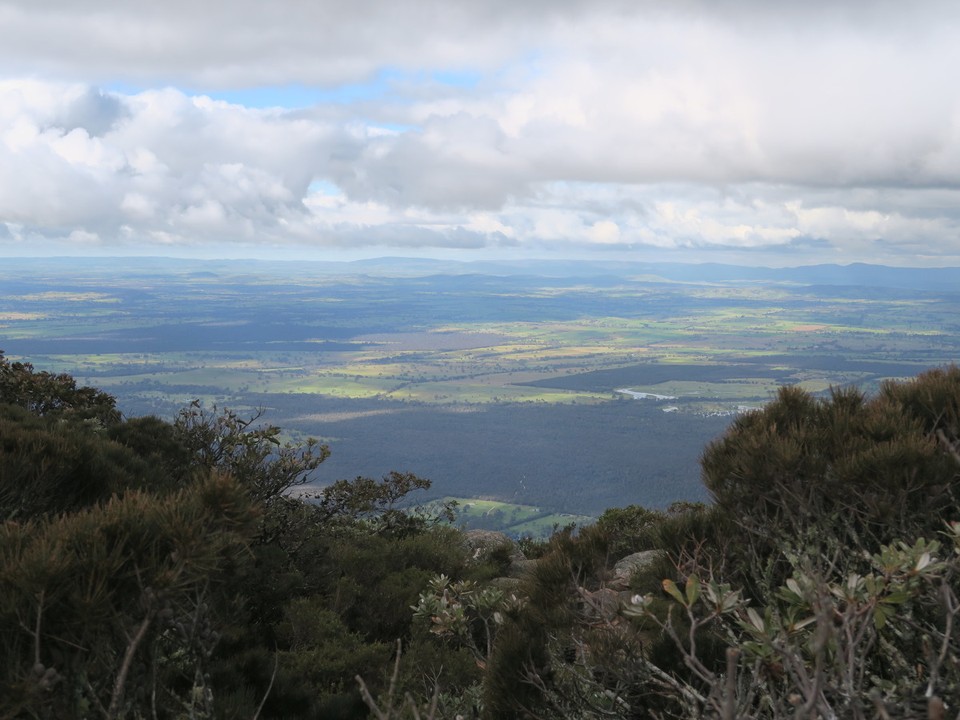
(817, 585)
(865, 471)
(98, 602)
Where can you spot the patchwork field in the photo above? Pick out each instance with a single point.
(407, 369)
(516, 520)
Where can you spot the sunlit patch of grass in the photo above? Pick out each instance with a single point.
(480, 392)
(21, 316)
(815, 385)
(513, 519)
(332, 417)
(741, 389)
(545, 526)
(333, 385)
(57, 296)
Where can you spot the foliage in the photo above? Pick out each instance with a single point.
(874, 462)
(252, 453)
(332, 575)
(47, 394)
(102, 605)
(192, 569)
(167, 569)
(51, 465)
(807, 590)
(633, 528)
(829, 642)
(467, 612)
(628, 528)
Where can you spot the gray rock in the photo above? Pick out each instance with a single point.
(522, 568)
(629, 566)
(602, 604)
(481, 544)
(509, 585)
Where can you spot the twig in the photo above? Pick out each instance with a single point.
(273, 676)
(951, 606)
(948, 446)
(119, 685)
(369, 701)
(36, 631)
(368, 698)
(394, 676)
(94, 697)
(431, 709)
(730, 694)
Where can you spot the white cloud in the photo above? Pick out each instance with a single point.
(741, 125)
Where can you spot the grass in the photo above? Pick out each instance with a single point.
(474, 375)
(740, 390)
(447, 362)
(512, 519)
(544, 527)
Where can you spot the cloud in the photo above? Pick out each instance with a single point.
(739, 125)
(246, 43)
(451, 161)
(110, 162)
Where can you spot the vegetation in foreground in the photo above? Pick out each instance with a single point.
(153, 569)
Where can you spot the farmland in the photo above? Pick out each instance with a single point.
(494, 384)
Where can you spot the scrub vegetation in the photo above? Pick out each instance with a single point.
(184, 568)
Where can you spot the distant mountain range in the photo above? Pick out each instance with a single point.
(859, 274)
(856, 274)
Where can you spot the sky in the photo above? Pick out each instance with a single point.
(746, 131)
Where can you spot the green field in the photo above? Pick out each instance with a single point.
(475, 379)
(527, 352)
(514, 520)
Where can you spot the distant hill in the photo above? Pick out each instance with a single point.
(856, 274)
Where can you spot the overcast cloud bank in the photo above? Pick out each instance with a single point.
(807, 133)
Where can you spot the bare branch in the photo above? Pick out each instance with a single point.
(273, 676)
(119, 685)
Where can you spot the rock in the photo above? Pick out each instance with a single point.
(509, 585)
(482, 544)
(602, 604)
(629, 566)
(522, 568)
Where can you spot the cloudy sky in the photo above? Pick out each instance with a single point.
(775, 133)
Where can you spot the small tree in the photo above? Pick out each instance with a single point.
(44, 393)
(829, 642)
(105, 610)
(863, 472)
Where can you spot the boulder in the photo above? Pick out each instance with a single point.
(602, 604)
(481, 545)
(522, 568)
(509, 585)
(629, 566)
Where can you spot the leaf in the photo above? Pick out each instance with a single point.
(854, 582)
(881, 613)
(692, 590)
(670, 587)
(897, 597)
(801, 624)
(754, 617)
(730, 601)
